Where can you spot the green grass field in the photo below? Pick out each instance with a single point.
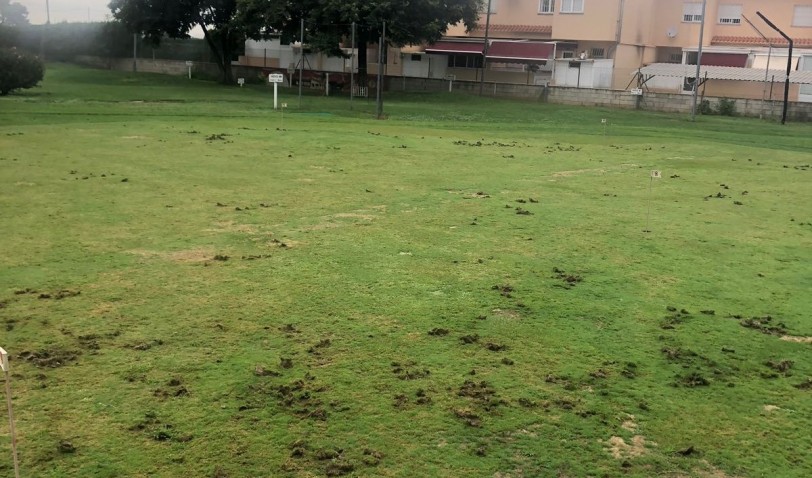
(193, 285)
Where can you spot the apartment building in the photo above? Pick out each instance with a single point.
(602, 43)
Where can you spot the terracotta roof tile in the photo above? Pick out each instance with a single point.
(758, 41)
(517, 28)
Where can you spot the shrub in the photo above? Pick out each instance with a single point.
(727, 107)
(705, 108)
(18, 70)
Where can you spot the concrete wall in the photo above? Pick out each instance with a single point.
(665, 102)
(165, 67)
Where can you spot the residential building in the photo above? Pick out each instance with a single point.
(602, 43)
(605, 43)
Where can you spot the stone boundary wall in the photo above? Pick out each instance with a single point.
(166, 67)
(664, 102)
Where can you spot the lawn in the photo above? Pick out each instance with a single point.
(195, 285)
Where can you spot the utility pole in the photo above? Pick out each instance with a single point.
(47, 30)
(381, 55)
(698, 61)
(789, 65)
(135, 52)
(301, 62)
(485, 48)
(352, 65)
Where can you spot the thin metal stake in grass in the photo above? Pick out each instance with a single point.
(4, 365)
(654, 175)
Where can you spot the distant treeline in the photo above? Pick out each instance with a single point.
(66, 41)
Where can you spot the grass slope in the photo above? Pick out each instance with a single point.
(463, 289)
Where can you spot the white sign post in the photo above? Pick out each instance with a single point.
(275, 78)
(189, 66)
(450, 79)
(7, 371)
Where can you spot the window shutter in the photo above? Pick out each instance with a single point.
(802, 16)
(730, 14)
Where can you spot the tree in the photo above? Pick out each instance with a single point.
(176, 18)
(12, 17)
(18, 71)
(13, 14)
(328, 22)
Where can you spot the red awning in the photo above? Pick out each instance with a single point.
(520, 51)
(455, 47)
(738, 60)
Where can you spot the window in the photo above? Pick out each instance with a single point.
(417, 57)
(572, 6)
(688, 84)
(802, 16)
(567, 54)
(510, 67)
(465, 61)
(546, 6)
(692, 12)
(730, 14)
(675, 58)
(597, 53)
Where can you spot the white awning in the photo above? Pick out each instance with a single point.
(724, 73)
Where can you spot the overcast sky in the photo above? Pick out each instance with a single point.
(74, 11)
(67, 10)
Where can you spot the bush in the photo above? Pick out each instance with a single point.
(18, 70)
(8, 36)
(705, 108)
(727, 107)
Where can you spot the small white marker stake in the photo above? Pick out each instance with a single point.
(7, 371)
(655, 174)
(604, 122)
(284, 106)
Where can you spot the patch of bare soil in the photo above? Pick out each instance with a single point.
(184, 256)
(301, 397)
(805, 385)
(231, 226)
(409, 371)
(765, 325)
(50, 358)
(157, 429)
(507, 314)
(629, 424)
(797, 339)
(477, 195)
(621, 450)
(566, 174)
(569, 280)
(358, 217)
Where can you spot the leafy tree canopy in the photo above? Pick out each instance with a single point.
(176, 18)
(328, 22)
(13, 14)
